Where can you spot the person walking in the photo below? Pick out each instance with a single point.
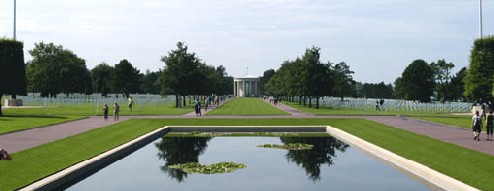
(489, 125)
(105, 112)
(197, 107)
(116, 111)
(131, 102)
(476, 125)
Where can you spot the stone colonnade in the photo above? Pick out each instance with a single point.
(246, 86)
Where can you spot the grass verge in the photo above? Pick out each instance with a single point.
(12, 123)
(451, 120)
(17, 119)
(247, 106)
(90, 110)
(466, 165)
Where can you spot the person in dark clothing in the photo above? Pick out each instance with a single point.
(476, 125)
(198, 107)
(105, 112)
(381, 104)
(116, 111)
(4, 155)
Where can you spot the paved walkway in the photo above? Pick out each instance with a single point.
(22, 140)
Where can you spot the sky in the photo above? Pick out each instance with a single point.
(377, 39)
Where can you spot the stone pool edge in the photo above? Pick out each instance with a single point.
(74, 172)
(439, 179)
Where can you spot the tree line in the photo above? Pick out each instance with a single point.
(55, 69)
(309, 79)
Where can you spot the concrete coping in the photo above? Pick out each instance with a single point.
(441, 180)
(86, 168)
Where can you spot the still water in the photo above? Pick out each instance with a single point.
(330, 165)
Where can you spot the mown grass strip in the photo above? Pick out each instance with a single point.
(11, 123)
(17, 119)
(91, 110)
(247, 106)
(463, 121)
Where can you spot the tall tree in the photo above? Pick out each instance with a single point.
(101, 77)
(126, 78)
(416, 82)
(442, 77)
(225, 86)
(55, 70)
(180, 68)
(457, 85)
(343, 80)
(479, 79)
(13, 77)
(305, 77)
(267, 75)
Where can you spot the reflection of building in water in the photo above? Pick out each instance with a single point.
(246, 86)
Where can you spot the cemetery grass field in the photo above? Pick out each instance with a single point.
(357, 112)
(92, 110)
(466, 165)
(247, 106)
(463, 121)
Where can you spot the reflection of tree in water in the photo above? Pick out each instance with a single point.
(311, 160)
(175, 150)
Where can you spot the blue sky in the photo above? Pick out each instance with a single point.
(378, 39)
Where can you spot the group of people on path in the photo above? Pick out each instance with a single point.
(380, 104)
(212, 100)
(477, 124)
(116, 109)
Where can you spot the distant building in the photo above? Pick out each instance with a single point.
(246, 86)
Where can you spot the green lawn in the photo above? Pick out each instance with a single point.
(11, 123)
(247, 106)
(16, 119)
(451, 120)
(468, 166)
(81, 110)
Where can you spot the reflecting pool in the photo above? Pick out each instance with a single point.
(329, 165)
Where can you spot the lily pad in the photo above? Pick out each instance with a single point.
(222, 167)
(291, 146)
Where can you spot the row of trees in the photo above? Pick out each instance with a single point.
(55, 70)
(307, 77)
(421, 81)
